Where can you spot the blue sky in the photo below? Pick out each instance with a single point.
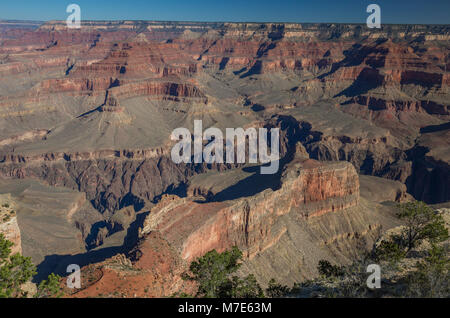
(344, 11)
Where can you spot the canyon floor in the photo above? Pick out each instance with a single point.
(86, 115)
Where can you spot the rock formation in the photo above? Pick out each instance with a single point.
(8, 223)
(185, 228)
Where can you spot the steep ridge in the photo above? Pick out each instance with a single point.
(231, 225)
(318, 203)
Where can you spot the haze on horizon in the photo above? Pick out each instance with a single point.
(295, 11)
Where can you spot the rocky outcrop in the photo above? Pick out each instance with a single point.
(8, 223)
(155, 272)
(377, 104)
(80, 85)
(383, 190)
(310, 189)
(159, 89)
(430, 177)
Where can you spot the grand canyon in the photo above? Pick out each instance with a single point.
(86, 117)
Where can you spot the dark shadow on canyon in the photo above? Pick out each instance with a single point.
(179, 190)
(58, 263)
(367, 80)
(357, 54)
(250, 186)
(254, 70)
(435, 128)
(255, 183)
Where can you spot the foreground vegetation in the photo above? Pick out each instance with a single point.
(17, 270)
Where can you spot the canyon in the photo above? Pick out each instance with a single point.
(86, 118)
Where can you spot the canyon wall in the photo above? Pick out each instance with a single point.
(186, 228)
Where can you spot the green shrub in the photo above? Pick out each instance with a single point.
(15, 270)
(276, 290)
(326, 269)
(422, 223)
(213, 275)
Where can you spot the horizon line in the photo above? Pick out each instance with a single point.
(211, 22)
